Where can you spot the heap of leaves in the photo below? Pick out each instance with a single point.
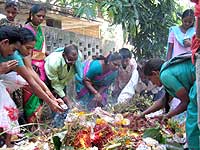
(140, 124)
(138, 103)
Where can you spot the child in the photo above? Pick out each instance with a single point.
(11, 11)
(179, 40)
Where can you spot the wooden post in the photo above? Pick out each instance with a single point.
(198, 71)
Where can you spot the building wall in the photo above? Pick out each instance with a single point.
(89, 46)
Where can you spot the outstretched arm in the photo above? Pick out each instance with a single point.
(27, 62)
(155, 107)
(91, 88)
(182, 94)
(54, 104)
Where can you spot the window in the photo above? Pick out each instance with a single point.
(93, 49)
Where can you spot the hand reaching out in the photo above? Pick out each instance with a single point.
(69, 103)
(98, 98)
(7, 66)
(163, 118)
(55, 105)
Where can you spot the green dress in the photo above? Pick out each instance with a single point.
(174, 76)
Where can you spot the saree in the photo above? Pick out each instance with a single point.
(32, 104)
(100, 81)
(192, 129)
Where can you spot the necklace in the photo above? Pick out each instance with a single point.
(35, 27)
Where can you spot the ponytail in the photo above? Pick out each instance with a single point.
(29, 18)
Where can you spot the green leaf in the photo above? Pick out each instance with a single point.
(57, 143)
(154, 133)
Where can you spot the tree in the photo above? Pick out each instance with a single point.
(145, 22)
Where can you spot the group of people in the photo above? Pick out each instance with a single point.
(43, 77)
(177, 75)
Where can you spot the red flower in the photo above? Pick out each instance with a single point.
(195, 1)
(103, 133)
(82, 139)
(13, 113)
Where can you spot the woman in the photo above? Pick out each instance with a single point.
(92, 90)
(179, 40)
(178, 78)
(36, 17)
(36, 85)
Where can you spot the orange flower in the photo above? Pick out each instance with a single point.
(127, 142)
(83, 139)
(100, 121)
(81, 113)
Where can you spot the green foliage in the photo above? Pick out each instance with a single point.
(57, 143)
(154, 133)
(145, 22)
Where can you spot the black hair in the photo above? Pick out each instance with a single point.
(11, 3)
(125, 53)
(11, 33)
(152, 65)
(188, 12)
(100, 57)
(27, 35)
(34, 10)
(111, 57)
(70, 48)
